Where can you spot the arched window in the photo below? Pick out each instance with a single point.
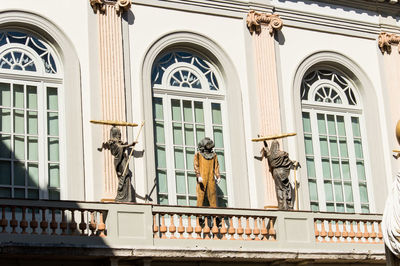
(188, 104)
(30, 81)
(333, 136)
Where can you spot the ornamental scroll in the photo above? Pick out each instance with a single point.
(385, 41)
(255, 19)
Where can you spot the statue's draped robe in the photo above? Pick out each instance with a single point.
(280, 166)
(124, 191)
(206, 168)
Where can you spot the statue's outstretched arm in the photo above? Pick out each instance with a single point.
(104, 146)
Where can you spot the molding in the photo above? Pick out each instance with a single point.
(386, 40)
(120, 5)
(255, 19)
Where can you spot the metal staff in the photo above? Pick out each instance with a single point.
(130, 155)
(274, 137)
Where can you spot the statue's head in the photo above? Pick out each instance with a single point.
(115, 133)
(274, 146)
(206, 145)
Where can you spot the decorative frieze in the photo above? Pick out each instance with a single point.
(255, 19)
(120, 5)
(386, 40)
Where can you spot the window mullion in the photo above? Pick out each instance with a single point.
(208, 119)
(169, 150)
(12, 110)
(43, 156)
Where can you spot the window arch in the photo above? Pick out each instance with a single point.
(30, 84)
(188, 104)
(333, 137)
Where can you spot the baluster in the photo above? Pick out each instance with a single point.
(53, 223)
(155, 227)
(231, 230)
(206, 229)
(82, 224)
(330, 232)
(44, 224)
(181, 229)
(92, 224)
(264, 231)
(223, 230)
(366, 233)
(271, 230)
(3, 221)
(373, 233)
(337, 230)
(380, 236)
(33, 224)
(13, 222)
(189, 228)
(102, 226)
(63, 224)
(316, 231)
(359, 233)
(73, 224)
(345, 234)
(247, 231)
(163, 228)
(256, 230)
(240, 230)
(24, 223)
(214, 229)
(197, 229)
(172, 227)
(323, 233)
(351, 234)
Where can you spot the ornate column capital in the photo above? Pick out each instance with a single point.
(120, 5)
(255, 19)
(385, 41)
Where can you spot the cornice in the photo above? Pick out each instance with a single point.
(386, 40)
(120, 5)
(255, 19)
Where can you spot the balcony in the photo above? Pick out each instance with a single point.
(139, 231)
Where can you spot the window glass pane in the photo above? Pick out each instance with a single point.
(200, 132)
(5, 120)
(323, 143)
(350, 208)
(192, 201)
(338, 192)
(54, 194)
(160, 132)
(19, 122)
(326, 169)
(364, 208)
(321, 124)
(218, 138)
(187, 111)
(198, 111)
(160, 157)
(360, 170)
(158, 112)
(5, 94)
(33, 194)
(5, 146)
(348, 192)
(221, 188)
(308, 144)
(19, 148)
(19, 193)
(192, 182)
(33, 175)
(162, 181)
(343, 147)
(356, 127)
(333, 147)
(5, 173)
(306, 122)
(176, 110)
(33, 153)
(18, 96)
(19, 174)
(221, 160)
(177, 131)
(189, 158)
(180, 182)
(363, 192)
(54, 175)
(52, 99)
(328, 191)
(331, 124)
(310, 167)
(216, 113)
(346, 170)
(32, 122)
(52, 124)
(189, 135)
(312, 187)
(178, 156)
(340, 207)
(335, 169)
(53, 149)
(31, 97)
(358, 148)
(181, 200)
(341, 126)
(163, 199)
(330, 207)
(314, 206)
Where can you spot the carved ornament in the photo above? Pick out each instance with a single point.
(98, 5)
(123, 5)
(385, 41)
(255, 19)
(120, 5)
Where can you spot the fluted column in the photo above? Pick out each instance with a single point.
(262, 28)
(111, 78)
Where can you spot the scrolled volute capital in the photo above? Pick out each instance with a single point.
(123, 5)
(98, 5)
(255, 19)
(386, 40)
(119, 5)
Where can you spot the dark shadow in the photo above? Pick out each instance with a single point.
(129, 17)
(279, 37)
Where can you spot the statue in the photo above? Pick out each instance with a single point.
(279, 166)
(207, 172)
(118, 150)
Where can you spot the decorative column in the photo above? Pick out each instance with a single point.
(391, 72)
(262, 27)
(111, 78)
